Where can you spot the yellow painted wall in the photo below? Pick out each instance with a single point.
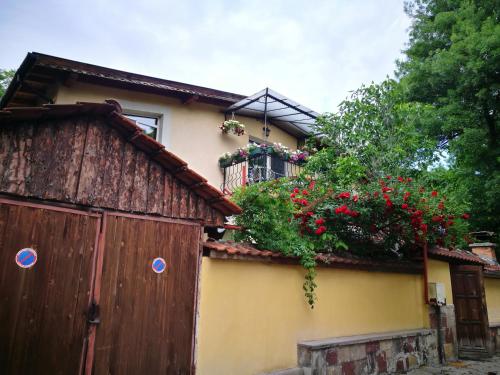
(191, 131)
(439, 272)
(492, 290)
(252, 314)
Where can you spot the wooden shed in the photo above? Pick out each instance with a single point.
(100, 243)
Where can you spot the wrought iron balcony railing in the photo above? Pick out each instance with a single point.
(257, 168)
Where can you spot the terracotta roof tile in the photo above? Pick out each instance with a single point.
(458, 255)
(233, 250)
(134, 134)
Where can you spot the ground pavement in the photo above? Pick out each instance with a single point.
(485, 367)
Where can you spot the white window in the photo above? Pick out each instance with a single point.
(148, 124)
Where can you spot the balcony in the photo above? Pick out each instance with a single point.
(258, 163)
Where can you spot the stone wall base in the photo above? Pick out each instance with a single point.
(495, 338)
(448, 330)
(395, 352)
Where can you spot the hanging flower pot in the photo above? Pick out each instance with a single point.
(232, 126)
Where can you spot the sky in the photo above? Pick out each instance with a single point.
(314, 52)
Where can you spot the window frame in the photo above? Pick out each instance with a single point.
(150, 115)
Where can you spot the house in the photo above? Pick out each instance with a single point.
(105, 269)
(184, 118)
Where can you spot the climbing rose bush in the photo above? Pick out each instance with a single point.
(391, 215)
(391, 218)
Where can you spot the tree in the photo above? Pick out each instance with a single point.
(373, 134)
(6, 76)
(452, 65)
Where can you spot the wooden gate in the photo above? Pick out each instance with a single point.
(146, 318)
(142, 321)
(470, 311)
(43, 308)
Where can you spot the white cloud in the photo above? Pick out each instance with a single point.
(312, 51)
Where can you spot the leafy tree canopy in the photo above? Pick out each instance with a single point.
(6, 76)
(452, 66)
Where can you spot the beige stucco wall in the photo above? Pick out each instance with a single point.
(252, 314)
(189, 130)
(439, 272)
(492, 291)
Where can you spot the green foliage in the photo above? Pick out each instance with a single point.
(451, 66)
(267, 222)
(392, 217)
(6, 76)
(375, 127)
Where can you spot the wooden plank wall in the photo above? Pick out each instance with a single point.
(81, 160)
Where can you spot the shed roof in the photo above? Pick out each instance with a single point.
(133, 133)
(38, 71)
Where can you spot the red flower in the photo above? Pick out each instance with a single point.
(376, 194)
(320, 221)
(320, 230)
(404, 206)
(400, 179)
(441, 205)
(305, 192)
(406, 196)
(296, 190)
(423, 227)
(354, 213)
(385, 189)
(434, 193)
(292, 195)
(409, 179)
(355, 198)
(437, 219)
(388, 177)
(312, 184)
(465, 216)
(310, 213)
(304, 202)
(388, 203)
(386, 197)
(341, 209)
(345, 195)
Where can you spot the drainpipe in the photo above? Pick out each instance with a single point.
(437, 307)
(440, 345)
(426, 265)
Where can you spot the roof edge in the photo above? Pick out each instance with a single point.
(213, 196)
(26, 65)
(230, 250)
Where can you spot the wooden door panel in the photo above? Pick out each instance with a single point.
(147, 319)
(470, 311)
(43, 308)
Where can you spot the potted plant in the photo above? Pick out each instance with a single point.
(232, 126)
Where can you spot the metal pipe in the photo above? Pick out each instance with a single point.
(243, 176)
(266, 134)
(439, 335)
(426, 275)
